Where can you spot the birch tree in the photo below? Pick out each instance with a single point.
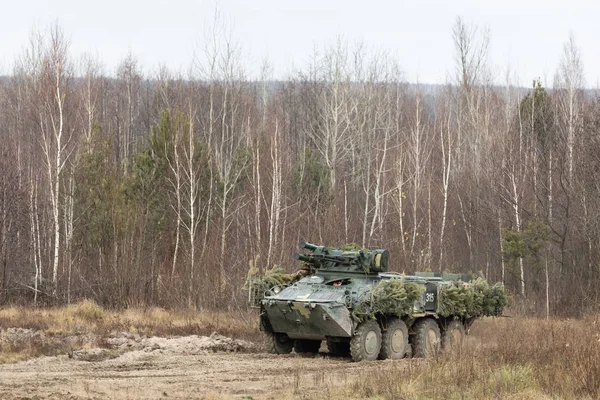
(330, 137)
(276, 192)
(569, 83)
(418, 153)
(91, 72)
(129, 79)
(55, 136)
(225, 126)
(194, 179)
(447, 145)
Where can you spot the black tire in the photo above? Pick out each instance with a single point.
(453, 336)
(338, 348)
(426, 341)
(394, 340)
(366, 342)
(305, 346)
(278, 343)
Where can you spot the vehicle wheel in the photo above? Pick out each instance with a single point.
(305, 346)
(338, 348)
(366, 342)
(278, 343)
(426, 340)
(453, 335)
(394, 340)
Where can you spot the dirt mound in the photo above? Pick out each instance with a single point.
(14, 339)
(179, 345)
(120, 347)
(125, 348)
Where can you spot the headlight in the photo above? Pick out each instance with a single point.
(276, 289)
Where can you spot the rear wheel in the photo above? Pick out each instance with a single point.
(453, 336)
(366, 342)
(278, 343)
(305, 346)
(394, 342)
(426, 340)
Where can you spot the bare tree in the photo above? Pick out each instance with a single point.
(56, 138)
(129, 86)
(447, 145)
(91, 70)
(419, 153)
(471, 47)
(226, 125)
(330, 138)
(276, 193)
(193, 185)
(569, 83)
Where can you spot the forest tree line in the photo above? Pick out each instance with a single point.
(166, 189)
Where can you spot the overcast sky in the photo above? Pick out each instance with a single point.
(526, 35)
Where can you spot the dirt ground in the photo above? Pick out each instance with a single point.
(176, 368)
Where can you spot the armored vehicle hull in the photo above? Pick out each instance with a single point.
(352, 302)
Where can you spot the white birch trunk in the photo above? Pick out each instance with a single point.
(447, 158)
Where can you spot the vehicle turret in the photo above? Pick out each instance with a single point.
(329, 259)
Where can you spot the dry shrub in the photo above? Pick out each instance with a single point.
(564, 354)
(87, 310)
(21, 317)
(18, 344)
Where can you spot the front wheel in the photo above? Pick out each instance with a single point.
(394, 344)
(278, 343)
(366, 342)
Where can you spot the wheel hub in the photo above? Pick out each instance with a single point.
(370, 342)
(431, 341)
(398, 341)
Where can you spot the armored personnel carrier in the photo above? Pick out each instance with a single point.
(348, 298)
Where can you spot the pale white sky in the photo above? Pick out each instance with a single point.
(527, 35)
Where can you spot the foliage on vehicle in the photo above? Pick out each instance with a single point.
(390, 297)
(471, 300)
(257, 284)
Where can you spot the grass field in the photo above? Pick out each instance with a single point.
(502, 358)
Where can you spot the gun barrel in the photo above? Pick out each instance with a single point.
(303, 257)
(308, 246)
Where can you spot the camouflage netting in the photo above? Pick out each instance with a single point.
(390, 296)
(477, 299)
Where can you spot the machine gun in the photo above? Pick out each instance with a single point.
(324, 258)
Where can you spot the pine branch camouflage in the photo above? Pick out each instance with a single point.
(390, 296)
(477, 299)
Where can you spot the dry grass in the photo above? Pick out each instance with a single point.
(505, 358)
(86, 324)
(88, 317)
